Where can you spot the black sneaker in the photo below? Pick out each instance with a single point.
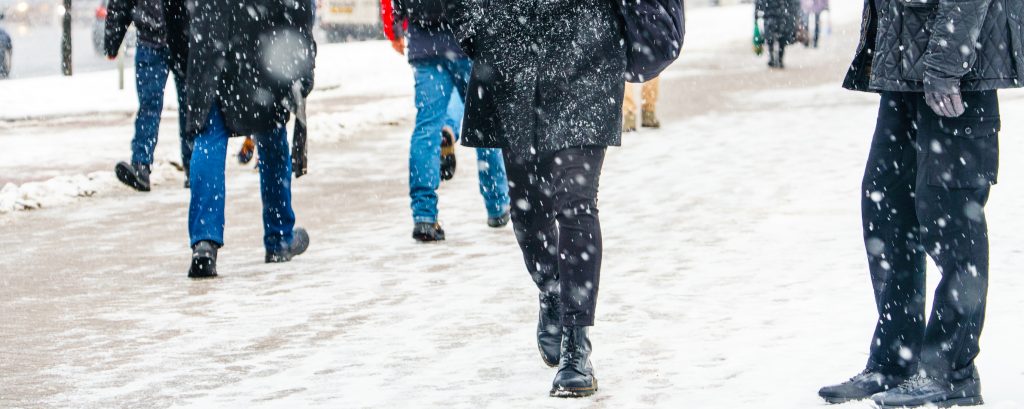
(922, 390)
(862, 386)
(299, 244)
(448, 162)
(135, 175)
(500, 221)
(188, 182)
(204, 260)
(427, 232)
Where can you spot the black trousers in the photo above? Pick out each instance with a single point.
(554, 214)
(924, 193)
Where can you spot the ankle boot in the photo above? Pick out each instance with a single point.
(649, 119)
(204, 260)
(629, 122)
(575, 377)
(135, 175)
(549, 328)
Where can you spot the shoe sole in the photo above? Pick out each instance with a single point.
(970, 401)
(836, 401)
(573, 392)
(127, 178)
(544, 358)
(424, 238)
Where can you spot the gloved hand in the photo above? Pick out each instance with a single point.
(947, 104)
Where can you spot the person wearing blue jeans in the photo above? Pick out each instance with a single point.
(281, 238)
(438, 80)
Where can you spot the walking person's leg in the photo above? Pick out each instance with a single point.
(629, 108)
(895, 261)
(433, 92)
(817, 28)
(281, 239)
(649, 95)
(493, 186)
(150, 78)
(575, 178)
(533, 221)
(206, 208)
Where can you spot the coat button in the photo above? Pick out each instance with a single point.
(968, 130)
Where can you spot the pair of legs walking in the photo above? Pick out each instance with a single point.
(924, 192)
(649, 104)
(206, 211)
(152, 68)
(556, 222)
(436, 80)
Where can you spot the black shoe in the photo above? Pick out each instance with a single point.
(500, 221)
(549, 328)
(426, 232)
(448, 162)
(204, 260)
(575, 377)
(862, 386)
(135, 175)
(299, 244)
(188, 183)
(925, 391)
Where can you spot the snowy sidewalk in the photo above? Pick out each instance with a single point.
(734, 273)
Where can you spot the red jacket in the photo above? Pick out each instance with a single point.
(387, 16)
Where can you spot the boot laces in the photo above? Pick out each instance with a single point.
(914, 383)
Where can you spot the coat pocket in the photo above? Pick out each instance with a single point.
(960, 153)
(915, 32)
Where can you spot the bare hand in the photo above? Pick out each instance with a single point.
(399, 46)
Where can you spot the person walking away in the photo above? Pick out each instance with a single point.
(649, 101)
(547, 87)
(262, 80)
(812, 9)
(439, 67)
(780, 18)
(930, 169)
(162, 48)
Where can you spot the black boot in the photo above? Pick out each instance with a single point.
(426, 232)
(922, 390)
(500, 221)
(204, 260)
(575, 377)
(448, 162)
(135, 175)
(859, 387)
(299, 244)
(549, 328)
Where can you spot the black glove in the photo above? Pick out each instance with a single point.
(946, 104)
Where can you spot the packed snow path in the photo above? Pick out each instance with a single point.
(734, 273)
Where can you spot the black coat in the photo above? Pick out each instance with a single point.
(780, 19)
(248, 55)
(913, 49)
(159, 23)
(547, 75)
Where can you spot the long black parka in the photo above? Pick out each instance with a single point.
(547, 74)
(247, 55)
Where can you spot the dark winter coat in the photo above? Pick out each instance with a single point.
(781, 19)
(970, 45)
(247, 55)
(430, 34)
(159, 24)
(547, 75)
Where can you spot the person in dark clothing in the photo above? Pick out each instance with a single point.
(162, 27)
(781, 19)
(933, 160)
(440, 69)
(547, 87)
(251, 67)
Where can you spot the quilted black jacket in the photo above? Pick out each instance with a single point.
(939, 45)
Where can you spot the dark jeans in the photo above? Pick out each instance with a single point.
(152, 66)
(554, 214)
(206, 210)
(924, 192)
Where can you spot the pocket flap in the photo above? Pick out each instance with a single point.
(970, 127)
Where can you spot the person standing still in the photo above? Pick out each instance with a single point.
(932, 162)
(547, 88)
(441, 69)
(162, 48)
(649, 104)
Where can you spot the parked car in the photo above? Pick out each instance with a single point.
(6, 52)
(349, 19)
(99, 28)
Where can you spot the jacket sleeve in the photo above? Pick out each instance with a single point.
(119, 16)
(466, 19)
(387, 18)
(952, 49)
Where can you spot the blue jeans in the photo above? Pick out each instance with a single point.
(151, 68)
(206, 212)
(437, 105)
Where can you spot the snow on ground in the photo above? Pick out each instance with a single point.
(734, 273)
